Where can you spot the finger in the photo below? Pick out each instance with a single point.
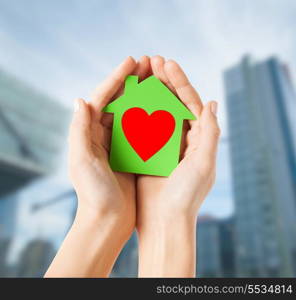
(192, 138)
(149, 70)
(184, 143)
(142, 70)
(157, 66)
(109, 87)
(183, 87)
(106, 139)
(209, 131)
(80, 134)
(143, 67)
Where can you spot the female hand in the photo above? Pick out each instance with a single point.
(101, 191)
(105, 216)
(167, 205)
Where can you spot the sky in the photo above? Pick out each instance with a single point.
(65, 48)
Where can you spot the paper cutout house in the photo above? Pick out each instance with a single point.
(150, 95)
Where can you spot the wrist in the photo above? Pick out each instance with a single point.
(165, 222)
(90, 219)
(96, 239)
(160, 254)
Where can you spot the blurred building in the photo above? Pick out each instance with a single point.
(4, 246)
(227, 247)
(208, 247)
(32, 128)
(215, 247)
(261, 116)
(8, 205)
(35, 258)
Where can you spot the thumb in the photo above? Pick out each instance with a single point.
(210, 130)
(80, 133)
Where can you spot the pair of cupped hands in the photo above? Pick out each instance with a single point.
(140, 201)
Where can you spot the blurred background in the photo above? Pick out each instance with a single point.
(240, 53)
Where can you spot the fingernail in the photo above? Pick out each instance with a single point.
(128, 58)
(125, 60)
(214, 108)
(76, 105)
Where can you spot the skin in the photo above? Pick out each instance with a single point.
(167, 207)
(111, 204)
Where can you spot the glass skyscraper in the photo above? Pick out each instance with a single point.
(261, 117)
(215, 247)
(208, 248)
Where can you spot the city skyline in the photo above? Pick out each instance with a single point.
(65, 50)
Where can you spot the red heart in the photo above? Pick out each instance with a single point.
(147, 134)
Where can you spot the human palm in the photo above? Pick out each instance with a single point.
(97, 186)
(184, 190)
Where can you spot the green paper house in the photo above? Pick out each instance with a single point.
(147, 128)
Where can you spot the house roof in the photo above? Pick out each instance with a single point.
(150, 94)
